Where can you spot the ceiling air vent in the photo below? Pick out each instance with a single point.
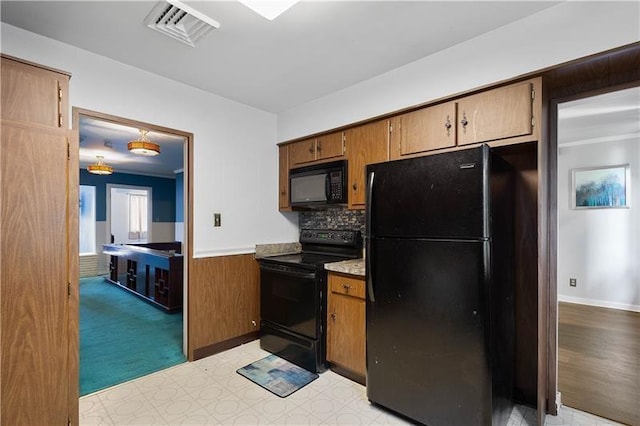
(179, 21)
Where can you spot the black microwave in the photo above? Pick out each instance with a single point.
(318, 185)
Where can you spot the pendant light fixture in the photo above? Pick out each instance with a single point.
(100, 168)
(143, 145)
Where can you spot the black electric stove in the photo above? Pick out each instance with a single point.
(293, 302)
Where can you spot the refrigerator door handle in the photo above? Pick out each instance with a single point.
(369, 270)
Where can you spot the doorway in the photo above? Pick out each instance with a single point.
(598, 244)
(144, 200)
(129, 214)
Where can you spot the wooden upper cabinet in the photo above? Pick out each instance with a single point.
(329, 146)
(34, 94)
(502, 113)
(366, 144)
(283, 178)
(302, 152)
(423, 130)
(323, 147)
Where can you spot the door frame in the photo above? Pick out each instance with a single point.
(605, 72)
(187, 245)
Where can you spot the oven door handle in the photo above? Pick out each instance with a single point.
(296, 274)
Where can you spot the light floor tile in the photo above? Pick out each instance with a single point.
(226, 408)
(210, 392)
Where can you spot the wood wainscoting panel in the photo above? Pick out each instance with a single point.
(224, 299)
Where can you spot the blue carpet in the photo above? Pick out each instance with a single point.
(277, 375)
(122, 337)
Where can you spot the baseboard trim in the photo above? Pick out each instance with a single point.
(224, 345)
(599, 303)
(358, 378)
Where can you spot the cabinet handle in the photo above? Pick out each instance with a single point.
(355, 187)
(253, 323)
(447, 126)
(311, 148)
(464, 122)
(346, 287)
(319, 146)
(333, 316)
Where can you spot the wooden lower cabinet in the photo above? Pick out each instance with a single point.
(346, 323)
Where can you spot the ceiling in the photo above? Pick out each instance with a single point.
(604, 118)
(109, 140)
(313, 49)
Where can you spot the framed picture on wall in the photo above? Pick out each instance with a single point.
(601, 187)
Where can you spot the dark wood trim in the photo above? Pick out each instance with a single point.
(225, 345)
(597, 74)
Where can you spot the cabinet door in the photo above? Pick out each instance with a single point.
(329, 146)
(302, 152)
(37, 321)
(366, 144)
(423, 130)
(501, 113)
(283, 178)
(346, 332)
(33, 95)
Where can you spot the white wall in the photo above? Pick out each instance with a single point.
(599, 247)
(234, 145)
(565, 32)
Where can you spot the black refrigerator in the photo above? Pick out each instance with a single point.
(440, 315)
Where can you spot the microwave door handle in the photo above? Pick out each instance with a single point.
(327, 187)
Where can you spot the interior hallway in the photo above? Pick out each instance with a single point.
(599, 361)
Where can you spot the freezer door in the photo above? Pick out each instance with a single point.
(427, 350)
(438, 196)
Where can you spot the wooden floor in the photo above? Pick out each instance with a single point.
(599, 361)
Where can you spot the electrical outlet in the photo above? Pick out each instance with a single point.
(572, 282)
(217, 220)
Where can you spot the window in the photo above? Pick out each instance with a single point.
(87, 219)
(137, 216)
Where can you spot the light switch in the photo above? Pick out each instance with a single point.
(217, 221)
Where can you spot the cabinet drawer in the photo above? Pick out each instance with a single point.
(350, 286)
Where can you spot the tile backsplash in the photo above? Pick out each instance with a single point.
(337, 218)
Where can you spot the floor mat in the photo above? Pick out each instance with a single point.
(277, 375)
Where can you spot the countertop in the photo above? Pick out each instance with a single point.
(266, 250)
(351, 267)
